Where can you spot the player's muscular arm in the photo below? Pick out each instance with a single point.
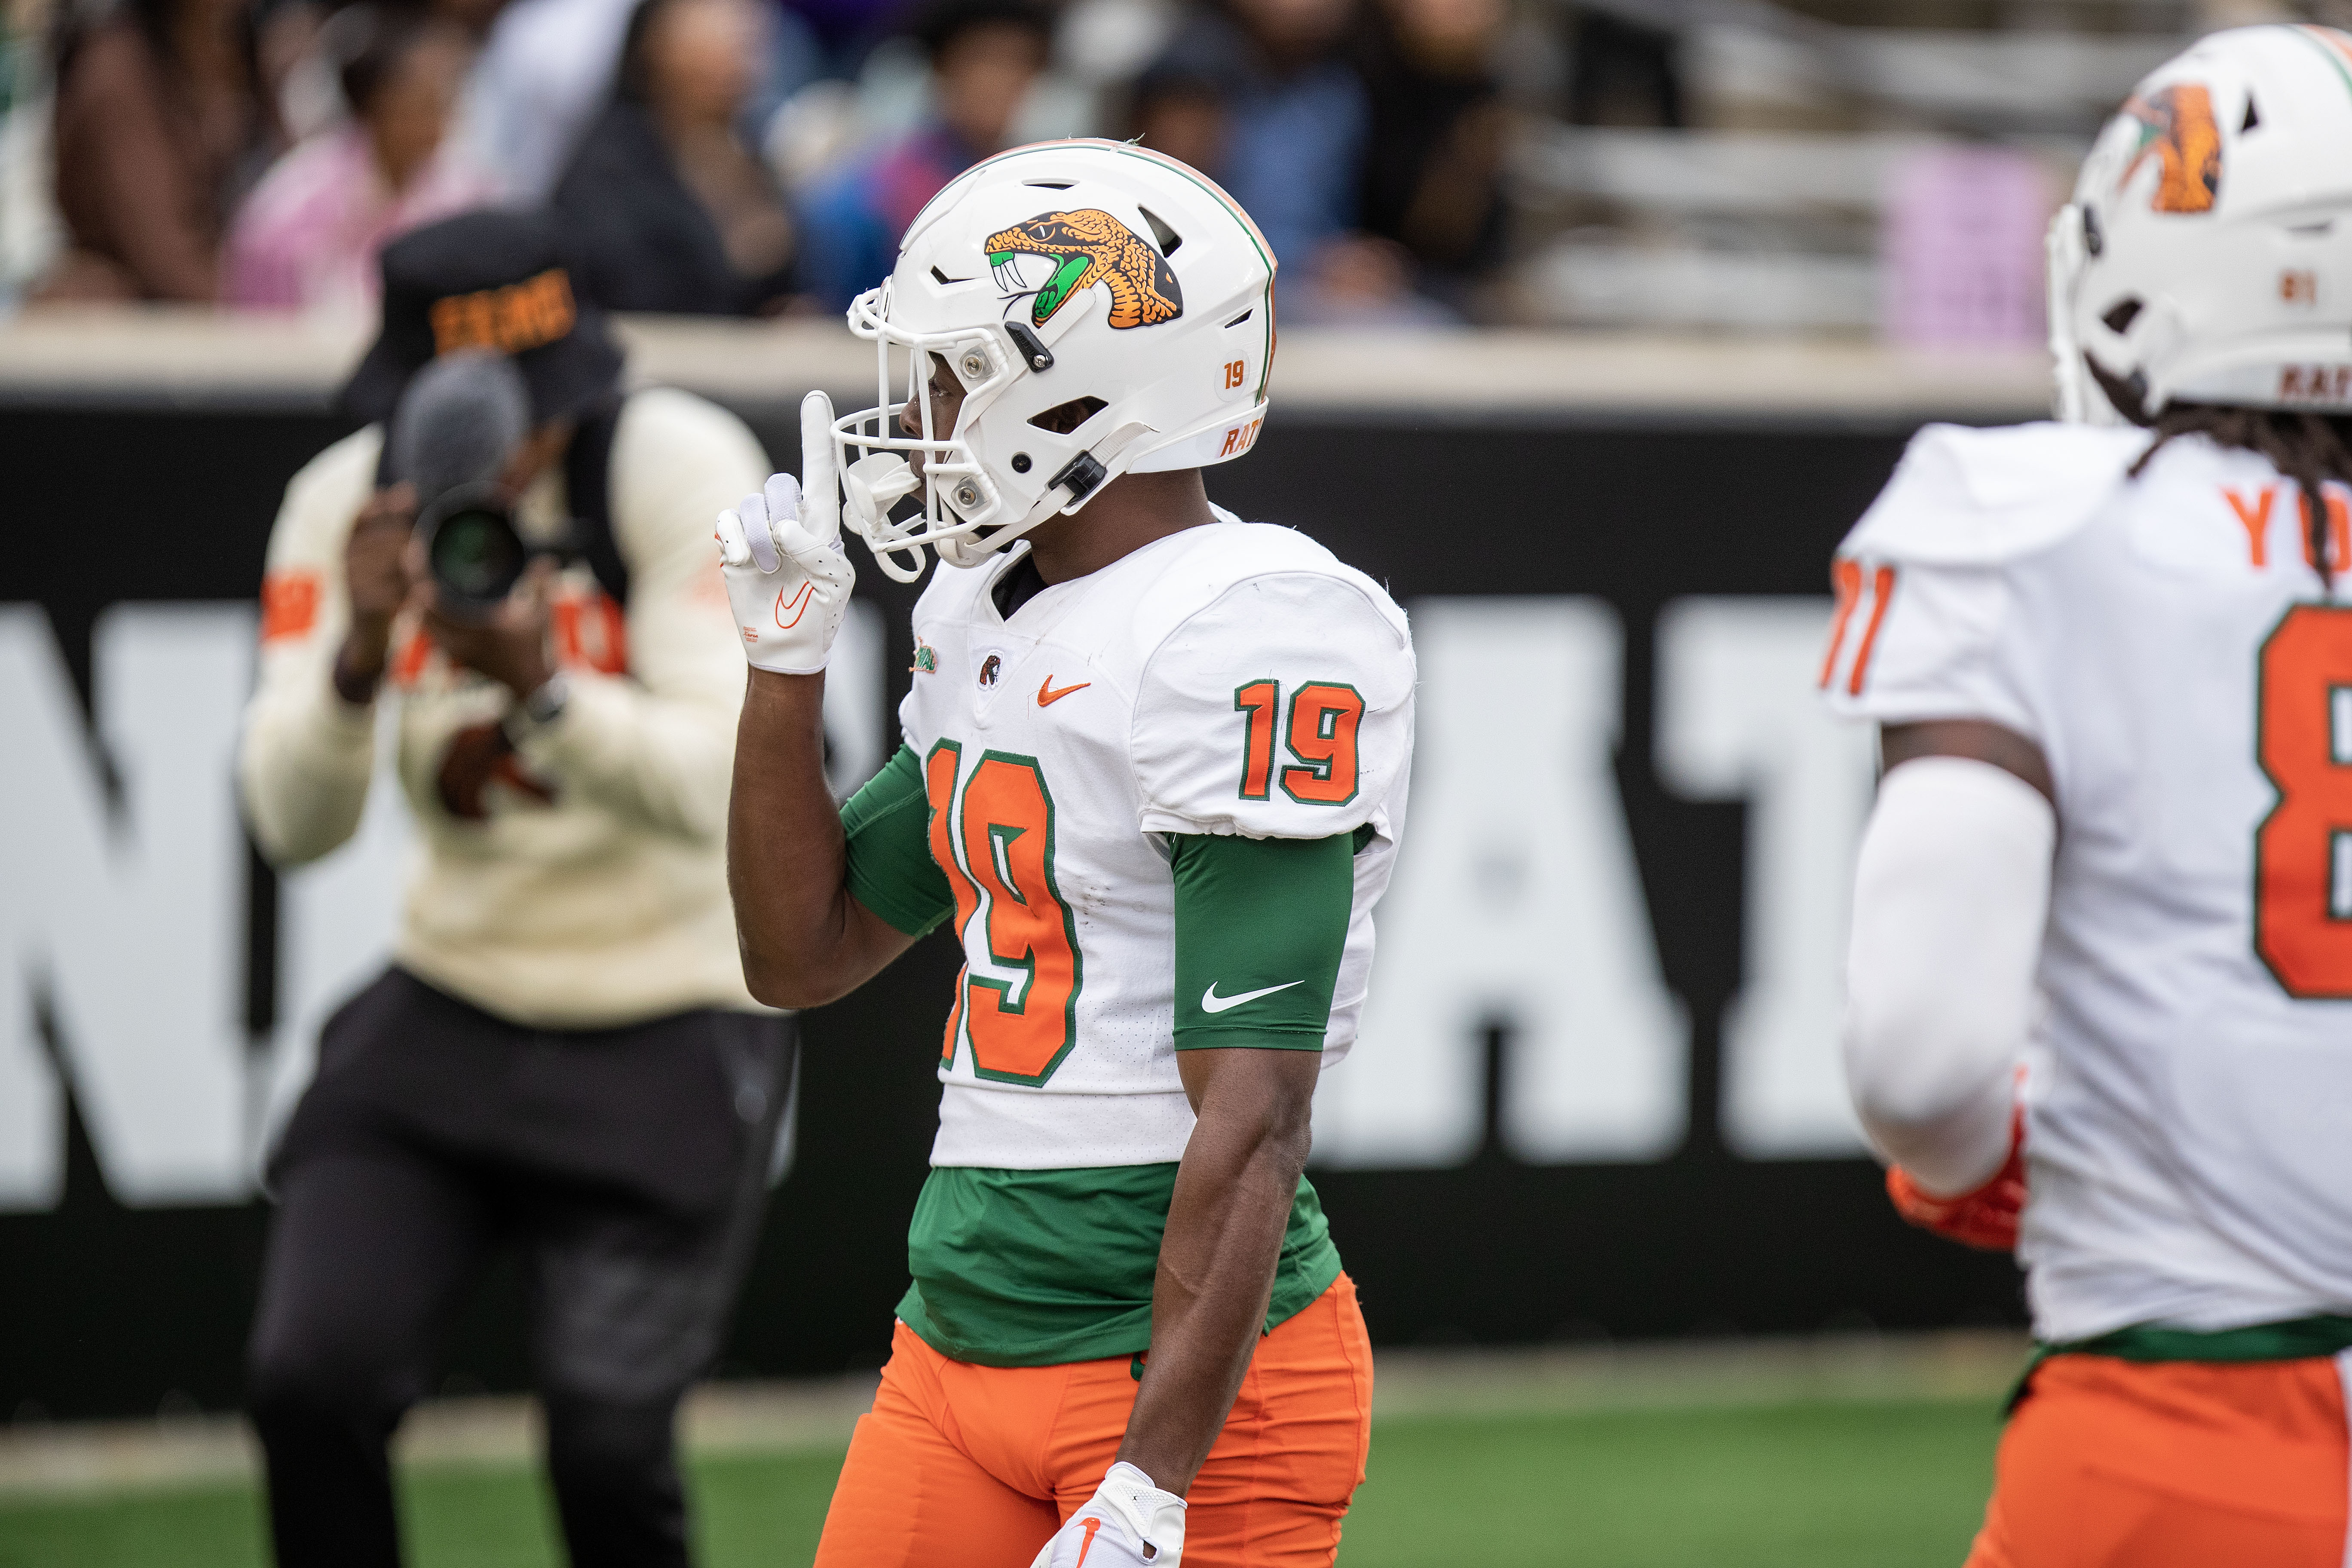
(1261, 926)
(1233, 1201)
(806, 940)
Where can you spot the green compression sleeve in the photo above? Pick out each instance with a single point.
(1261, 925)
(891, 871)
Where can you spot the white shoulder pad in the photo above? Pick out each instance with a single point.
(1204, 562)
(1277, 700)
(1964, 497)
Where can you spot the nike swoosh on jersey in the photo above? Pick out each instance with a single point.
(1212, 1002)
(1047, 696)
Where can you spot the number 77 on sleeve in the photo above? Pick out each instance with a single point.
(1848, 577)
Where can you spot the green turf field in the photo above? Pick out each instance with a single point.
(1898, 1484)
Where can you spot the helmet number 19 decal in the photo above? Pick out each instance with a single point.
(1323, 720)
(994, 840)
(2303, 851)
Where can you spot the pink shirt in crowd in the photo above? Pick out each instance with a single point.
(307, 238)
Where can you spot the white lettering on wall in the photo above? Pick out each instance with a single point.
(130, 917)
(38, 707)
(1739, 719)
(1515, 905)
(336, 919)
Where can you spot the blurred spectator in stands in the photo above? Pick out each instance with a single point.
(302, 62)
(1264, 93)
(666, 208)
(986, 55)
(162, 124)
(1433, 178)
(1623, 73)
(1297, 115)
(307, 236)
(548, 69)
(844, 31)
(295, 70)
(545, 74)
(477, 20)
(791, 58)
(1179, 105)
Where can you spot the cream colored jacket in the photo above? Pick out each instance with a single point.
(605, 903)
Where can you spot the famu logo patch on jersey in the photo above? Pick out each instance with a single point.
(1072, 252)
(2177, 126)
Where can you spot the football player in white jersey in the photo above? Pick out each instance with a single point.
(2101, 957)
(1154, 772)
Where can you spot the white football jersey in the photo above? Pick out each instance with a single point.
(1233, 679)
(2166, 641)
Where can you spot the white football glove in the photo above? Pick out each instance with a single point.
(787, 576)
(1128, 1523)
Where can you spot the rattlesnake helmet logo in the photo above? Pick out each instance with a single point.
(1087, 248)
(2177, 126)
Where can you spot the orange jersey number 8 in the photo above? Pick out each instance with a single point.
(1002, 844)
(2303, 851)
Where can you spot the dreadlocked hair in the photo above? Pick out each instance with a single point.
(2309, 449)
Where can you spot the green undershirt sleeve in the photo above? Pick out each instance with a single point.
(1261, 925)
(891, 871)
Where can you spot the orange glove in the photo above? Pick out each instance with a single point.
(1985, 1217)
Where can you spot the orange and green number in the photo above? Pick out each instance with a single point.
(1002, 844)
(1324, 718)
(1320, 734)
(1261, 699)
(2303, 851)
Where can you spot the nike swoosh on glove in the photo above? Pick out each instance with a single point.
(1984, 1217)
(787, 579)
(1128, 1523)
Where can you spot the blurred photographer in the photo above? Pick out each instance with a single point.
(562, 1058)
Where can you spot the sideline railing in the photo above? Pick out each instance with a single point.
(160, 356)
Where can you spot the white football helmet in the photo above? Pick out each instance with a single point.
(2207, 253)
(1068, 273)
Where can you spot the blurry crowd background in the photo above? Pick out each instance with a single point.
(1850, 166)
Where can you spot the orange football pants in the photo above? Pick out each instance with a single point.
(2117, 1464)
(978, 1465)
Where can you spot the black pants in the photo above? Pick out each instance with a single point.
(629, 1169)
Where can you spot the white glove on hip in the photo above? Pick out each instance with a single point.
(787, 576)
(1128, 1523)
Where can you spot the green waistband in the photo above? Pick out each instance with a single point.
(2291, 1341)
(2298, 1339)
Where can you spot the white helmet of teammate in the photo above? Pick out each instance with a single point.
(1087, 273)
(2207, 253)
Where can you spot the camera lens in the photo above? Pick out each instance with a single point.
(473, 550)
(476, 554)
